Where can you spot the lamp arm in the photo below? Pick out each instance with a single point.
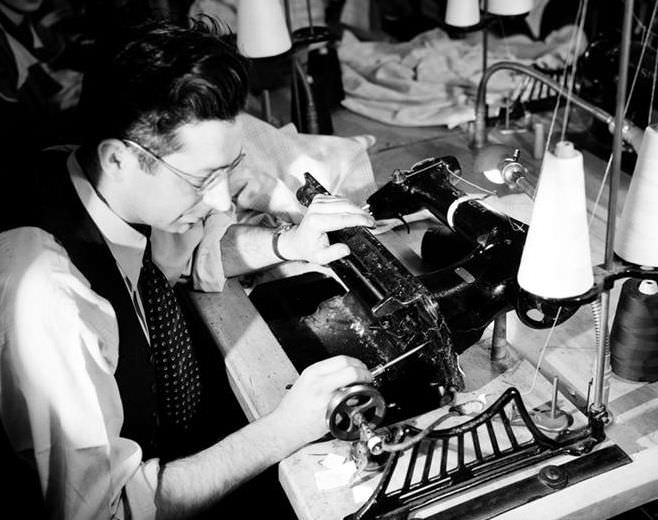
(630, 132)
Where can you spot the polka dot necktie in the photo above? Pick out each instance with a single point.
(176, 367)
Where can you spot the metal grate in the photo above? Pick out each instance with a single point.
(497, 442)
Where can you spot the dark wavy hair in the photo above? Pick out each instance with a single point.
(153, 78)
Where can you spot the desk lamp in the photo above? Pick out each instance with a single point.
(262, 33)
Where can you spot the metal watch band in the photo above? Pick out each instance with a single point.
(275, 241)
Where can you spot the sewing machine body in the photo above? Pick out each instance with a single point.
(387, 311)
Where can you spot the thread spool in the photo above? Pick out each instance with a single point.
(637, 235)
(556, 260)
(634, 334)
(510, 7)
(262, 29)
(462, 13)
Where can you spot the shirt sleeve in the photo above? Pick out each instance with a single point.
(60, 402)
(195, 254)
(208, 267)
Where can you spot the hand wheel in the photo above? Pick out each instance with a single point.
(352, 405)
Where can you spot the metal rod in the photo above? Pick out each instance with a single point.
(266, 106)
(601, 369)
(617, 136)
(632, 134)
(310, 17)
(602, 361)
(380, 369)
(485, 51)
(499, 338)
(554, 400)
(485, 47)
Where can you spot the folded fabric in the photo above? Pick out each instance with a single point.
(277, 159)
(432, 79)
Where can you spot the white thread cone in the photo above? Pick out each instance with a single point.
(556, 260)
(637, 230)
(262, 29)
(510, 7)
(462, 13)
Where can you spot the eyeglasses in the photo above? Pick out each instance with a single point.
(200, 187)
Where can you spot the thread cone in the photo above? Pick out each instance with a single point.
(556, 260)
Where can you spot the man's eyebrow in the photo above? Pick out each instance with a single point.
(226, 166)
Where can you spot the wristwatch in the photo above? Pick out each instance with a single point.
(275, 240)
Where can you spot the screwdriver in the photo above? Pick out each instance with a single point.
(380, 369)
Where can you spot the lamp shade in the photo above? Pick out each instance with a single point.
(556, 260)
(462, 13)
(509, 7)
(637, 232)
(262, 29)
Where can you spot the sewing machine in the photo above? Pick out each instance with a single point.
(471, 447)
(410, 329)
(382, 311)
(260, 369)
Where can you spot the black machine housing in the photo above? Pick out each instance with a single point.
(386, 311)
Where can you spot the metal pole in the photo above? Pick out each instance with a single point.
(601, 369)
(617, 136)
(485, 51)
(499, 338)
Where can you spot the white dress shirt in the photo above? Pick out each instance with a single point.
(59, 347)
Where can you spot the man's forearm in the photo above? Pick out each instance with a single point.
(189, 485)
(246, 249)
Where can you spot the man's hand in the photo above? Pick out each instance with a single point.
(308, 240)
(305, 405)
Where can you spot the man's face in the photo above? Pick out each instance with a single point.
(166, 201)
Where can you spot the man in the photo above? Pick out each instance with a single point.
(102, 393)
(38, 86)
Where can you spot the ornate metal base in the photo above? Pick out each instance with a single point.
(485, 448)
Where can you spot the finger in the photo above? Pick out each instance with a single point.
(331, 254)
(333, 222)
(334, 363)
(321, 198)
(328, 200)
(345, 377)
(341, 206)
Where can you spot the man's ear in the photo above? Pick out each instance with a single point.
(115, 159)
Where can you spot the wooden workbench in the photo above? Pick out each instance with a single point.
(259, 370)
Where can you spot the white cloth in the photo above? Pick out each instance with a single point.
(276, 160)
(432, 79)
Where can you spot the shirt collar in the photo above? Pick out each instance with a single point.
(126, 243)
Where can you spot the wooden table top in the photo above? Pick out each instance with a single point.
(259, 369)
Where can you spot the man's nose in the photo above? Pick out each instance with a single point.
(218, 197)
